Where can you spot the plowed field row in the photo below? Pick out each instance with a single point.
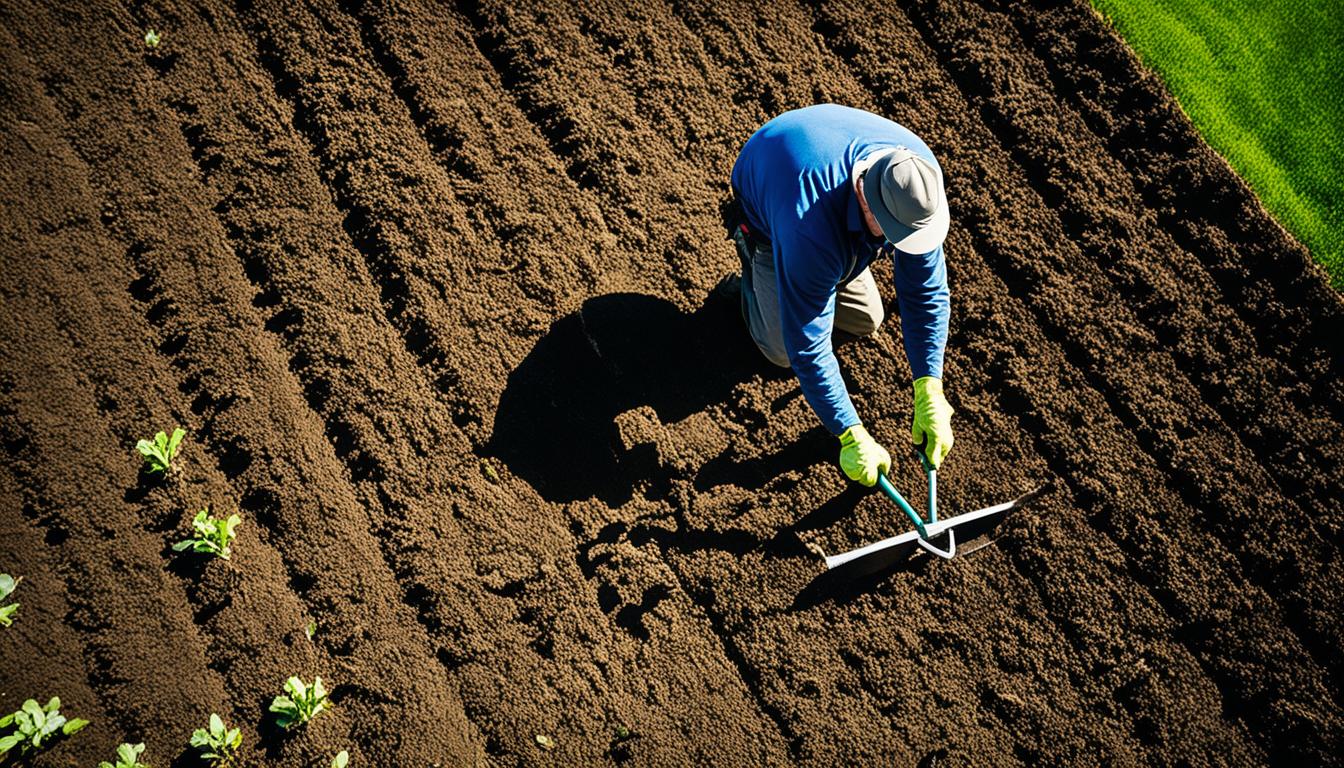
(429, 286)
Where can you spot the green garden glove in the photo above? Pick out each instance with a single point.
(861, 456)
(933, 420)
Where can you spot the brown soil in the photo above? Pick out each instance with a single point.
(430, 289)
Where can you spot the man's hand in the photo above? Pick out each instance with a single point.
(861, 456)
(932, 421)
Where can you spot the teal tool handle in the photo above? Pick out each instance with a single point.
(894, 495)
(932, 475)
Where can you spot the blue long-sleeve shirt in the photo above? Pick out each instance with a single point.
(793, 178)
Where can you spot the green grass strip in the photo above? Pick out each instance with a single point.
(1263, 82)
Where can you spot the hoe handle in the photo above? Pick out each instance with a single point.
(895, 495)
(890, 490)
(932, 475)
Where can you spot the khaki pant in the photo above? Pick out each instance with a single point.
(858, 306)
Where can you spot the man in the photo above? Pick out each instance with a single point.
(823, 191)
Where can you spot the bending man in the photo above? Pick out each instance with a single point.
(823, 191)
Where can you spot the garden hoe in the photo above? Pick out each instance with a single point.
(938, 537)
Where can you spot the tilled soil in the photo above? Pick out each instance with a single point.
(430, 288)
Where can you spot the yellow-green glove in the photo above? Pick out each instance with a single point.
(861, 456)
(933, 420)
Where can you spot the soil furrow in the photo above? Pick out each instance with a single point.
(79, 478)
(41, 655)
(372, 675)
(617, 165)
(1267, 277)
(237, 608)
(412, 464)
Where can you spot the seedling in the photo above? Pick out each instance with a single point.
(159, 454)
(33, 726)
(341, 760)
(7, 585)
(128, 756)
(217, 742)
(301, 705)
(546, 742)
(310, 629)
(491, 473)
(151, 39)
(213, 534)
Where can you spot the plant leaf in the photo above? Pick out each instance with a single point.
(341, 759)
(7, 584)
(9, 742)
(74, 726)
(6, 612)
(182, 545)
(216, 725)
(175, 441)
(54, 720)
(36, 717)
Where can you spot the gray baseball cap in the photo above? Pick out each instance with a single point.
(905, 193)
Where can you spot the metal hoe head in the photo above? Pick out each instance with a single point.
(938, 537)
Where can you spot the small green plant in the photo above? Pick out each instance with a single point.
(341, 760)
(128, 756)
(151, 39)
(310, 629)
(301, 705)
(213, 534)
(159, 454)
(491, 473)
(33, 726)
(7, 585)
(217, 742)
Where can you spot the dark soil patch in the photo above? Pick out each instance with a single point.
(430, 288)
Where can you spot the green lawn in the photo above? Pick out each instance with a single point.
(1264, 82)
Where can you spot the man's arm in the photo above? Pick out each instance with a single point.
(921, 288)
(924, 300)
(808, 273)
(807, 310)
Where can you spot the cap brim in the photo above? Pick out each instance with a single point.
(905, 238)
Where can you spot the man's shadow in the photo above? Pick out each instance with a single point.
(555, 426)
